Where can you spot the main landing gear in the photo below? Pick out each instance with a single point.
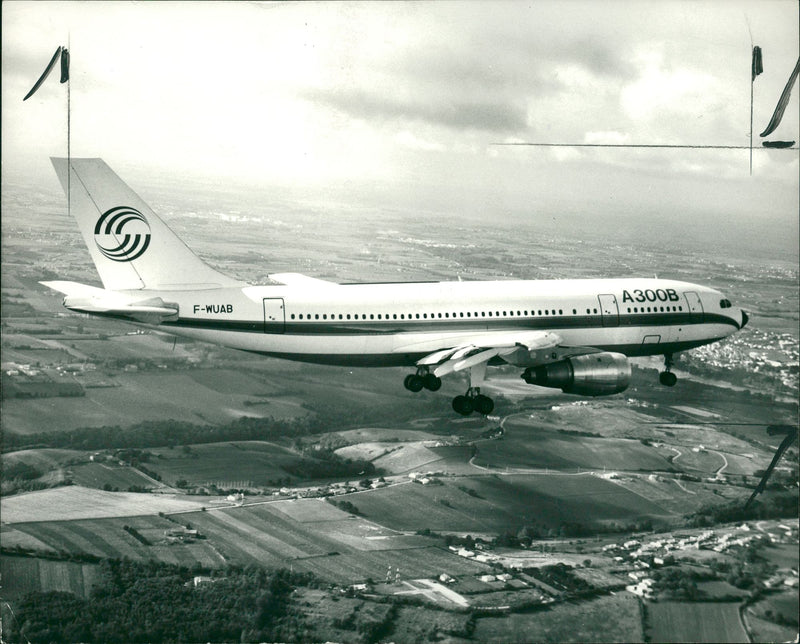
(666, 377)
(422, 380)
(472, 400)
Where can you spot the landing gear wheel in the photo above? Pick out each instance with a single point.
(431, 382)
(463, 405)
(667, 378)
(413, 382)
(483, 404)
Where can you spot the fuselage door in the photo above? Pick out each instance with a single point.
(274, 315)
(610, 310)
(695, 305)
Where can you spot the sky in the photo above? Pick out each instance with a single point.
(403, 103)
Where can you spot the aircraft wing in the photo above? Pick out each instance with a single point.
(481, 348)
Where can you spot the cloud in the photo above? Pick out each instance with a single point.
(446, 111)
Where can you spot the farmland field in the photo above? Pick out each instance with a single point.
(97, 475)
(14, 538)
(22, 575)
(422, 624)
(346, 550)
(783, 555)
(500, 503)
(43, 460)
(534, 448)
(255, 461)
(616, 618)
(169, 395)
(108, 538)
(75, 502)
(377, 434)
(408, 457)
(695, 622)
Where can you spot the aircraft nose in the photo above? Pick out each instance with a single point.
(745, 318)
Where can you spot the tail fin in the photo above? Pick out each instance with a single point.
(130, 246)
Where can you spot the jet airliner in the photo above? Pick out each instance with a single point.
(574, 335)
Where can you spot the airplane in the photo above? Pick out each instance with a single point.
(573, 335)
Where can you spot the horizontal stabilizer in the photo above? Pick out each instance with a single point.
(90, 299)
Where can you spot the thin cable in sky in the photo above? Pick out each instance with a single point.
(642, 145)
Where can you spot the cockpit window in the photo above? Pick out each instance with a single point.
(725, 304)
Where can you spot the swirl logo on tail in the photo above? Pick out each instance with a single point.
(122, 234)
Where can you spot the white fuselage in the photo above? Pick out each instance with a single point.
(397, 323)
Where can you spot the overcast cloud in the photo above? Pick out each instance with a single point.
(407, 100)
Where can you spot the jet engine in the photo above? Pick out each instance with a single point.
(594, 374)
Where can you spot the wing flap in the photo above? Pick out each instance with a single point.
(471, 351)
(455, 364)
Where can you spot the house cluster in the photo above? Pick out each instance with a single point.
(644, 556)
(483, 557)
(181, 535)
(424, 479)
(16, 369)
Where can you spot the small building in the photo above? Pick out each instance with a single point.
(199, 580)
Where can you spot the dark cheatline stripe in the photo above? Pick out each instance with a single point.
(219, 325)
(382, 327)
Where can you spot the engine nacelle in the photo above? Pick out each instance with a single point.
(594, 374)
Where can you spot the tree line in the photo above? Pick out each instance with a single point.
(157, 602)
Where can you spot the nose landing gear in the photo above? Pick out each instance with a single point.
(666, 377)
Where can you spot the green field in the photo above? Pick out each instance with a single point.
(615, 618)
(308, 535)
(43, 460)
(529, 447)
(106, 538)
(502, 503)
(673, 622)
(76, 502)
(148, 396)
(407, 458)
(256, 462)
(782, 555)
(22, 575)
(98, 475)
(337, 546)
